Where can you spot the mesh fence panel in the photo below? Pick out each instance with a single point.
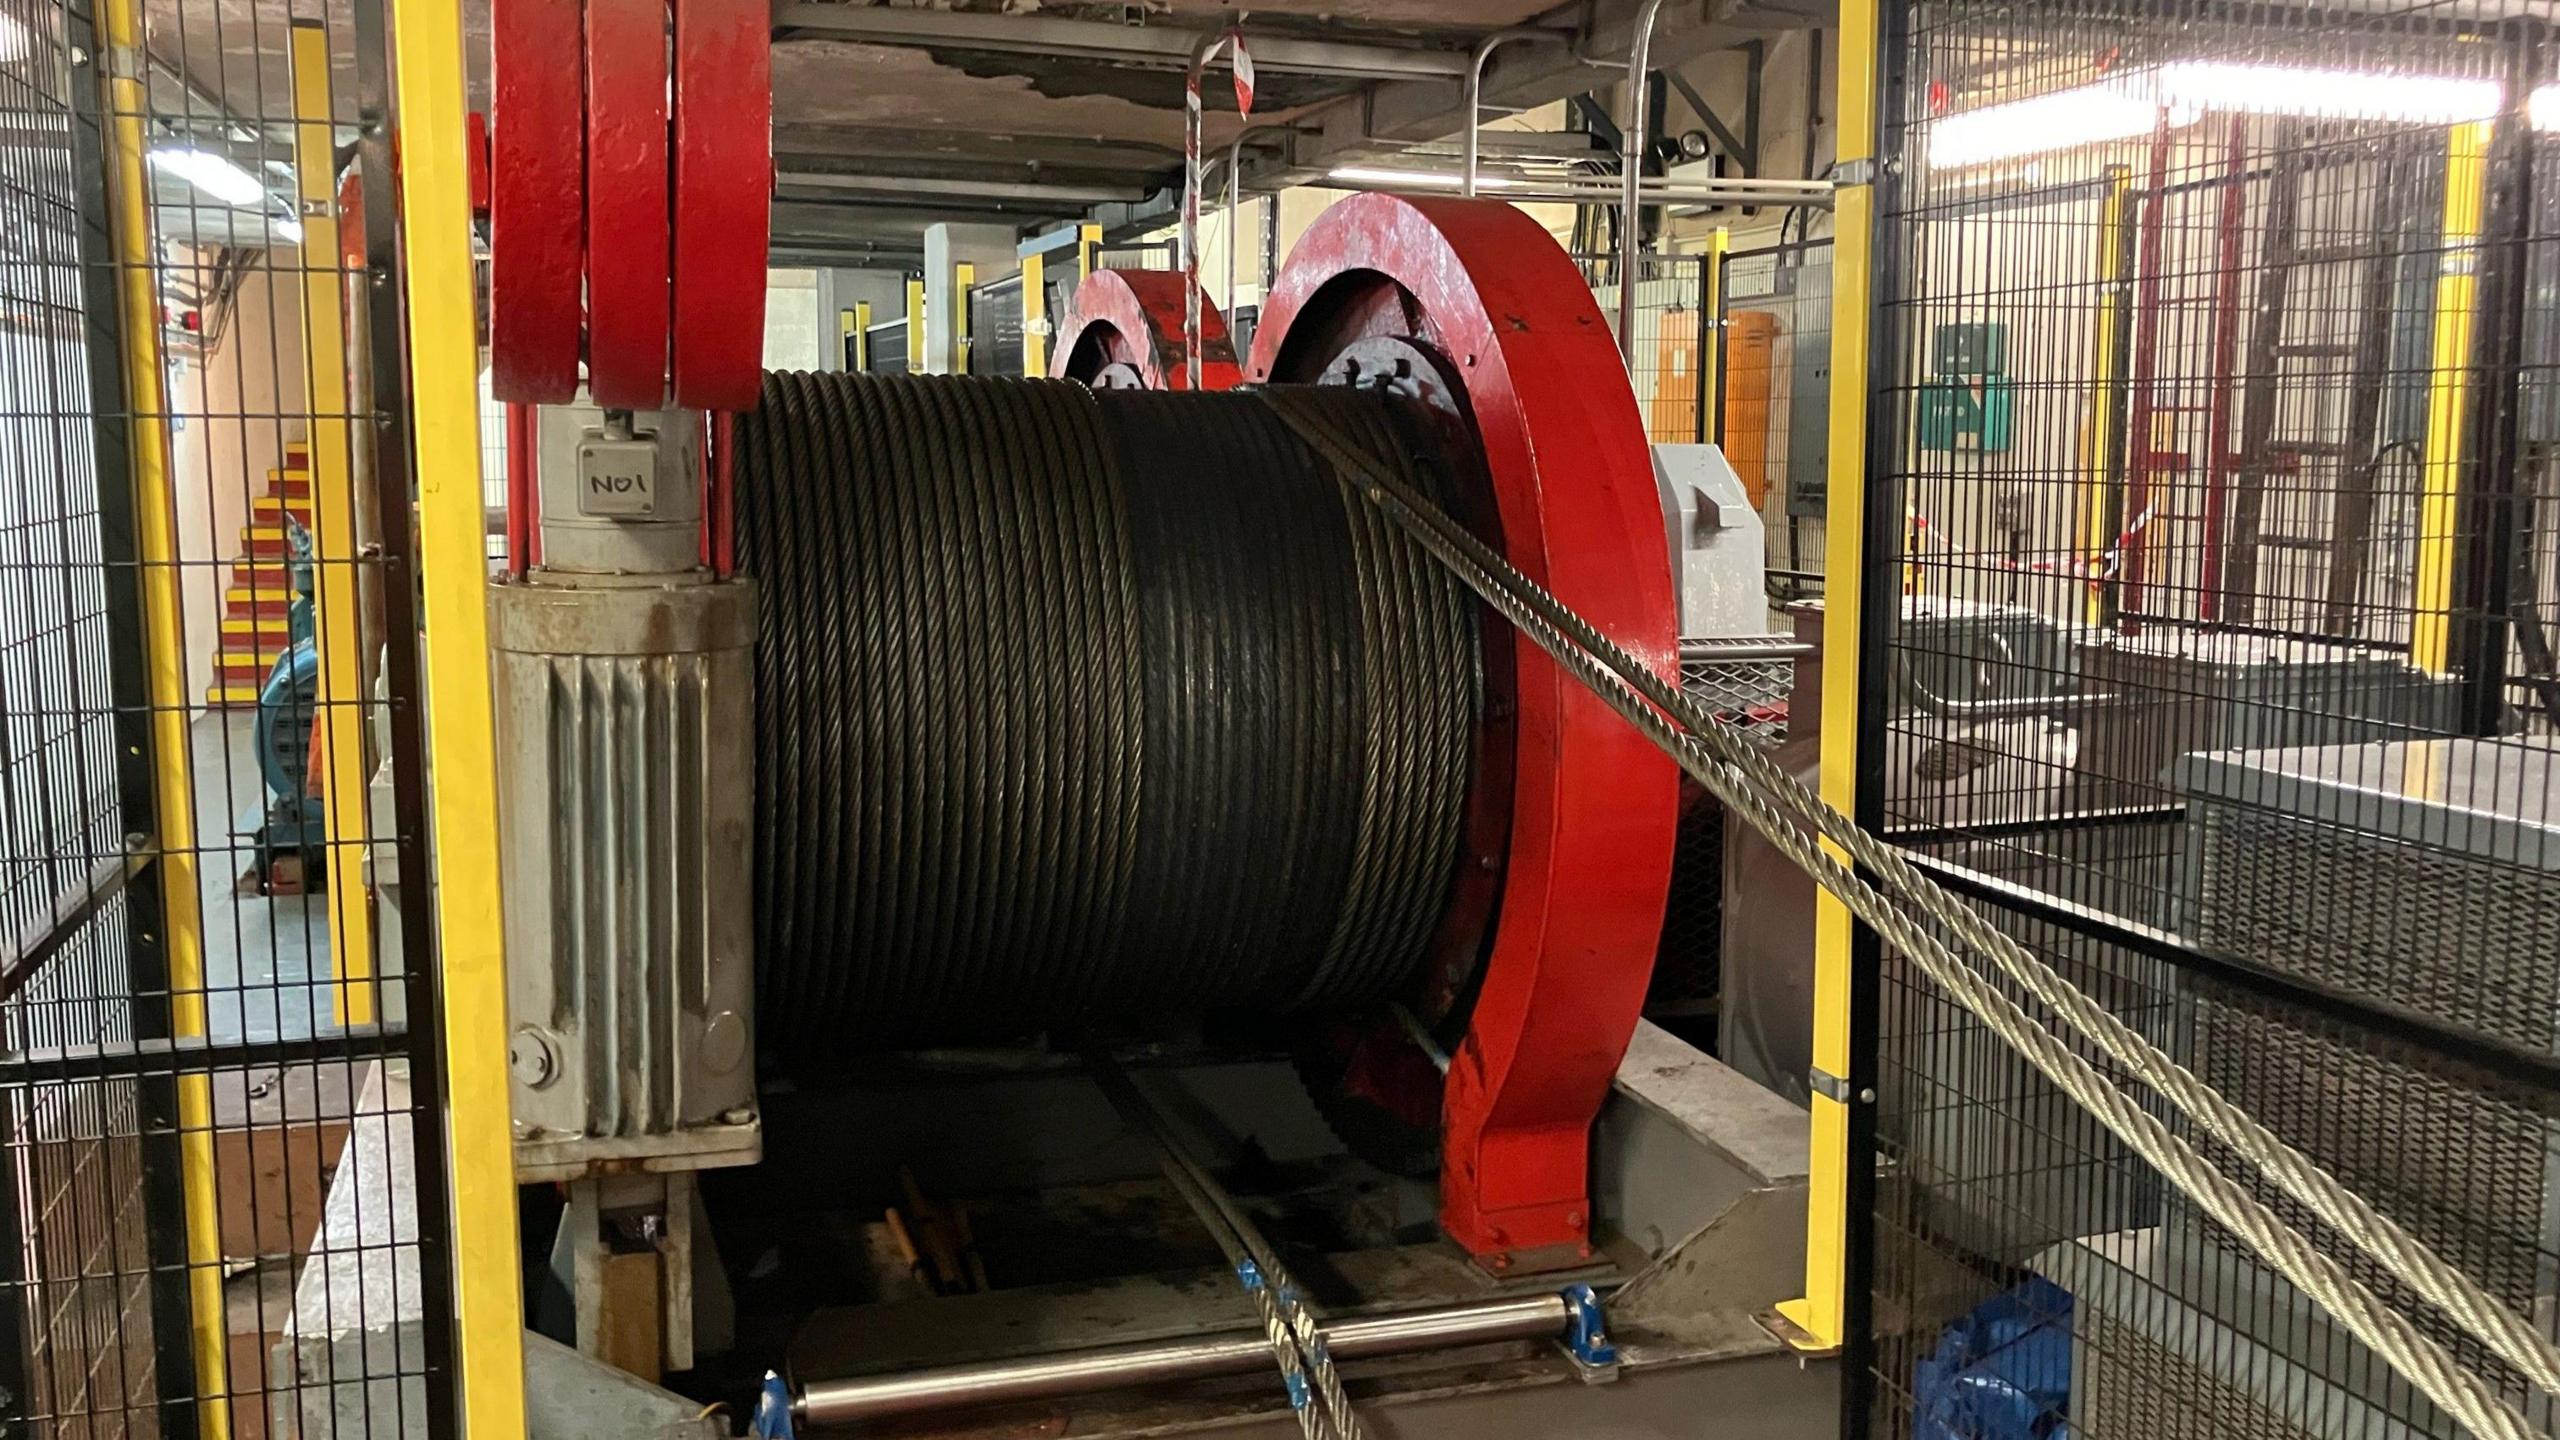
(2214, 519)
(215, 1172)
(1670, 368)
(1777, 396)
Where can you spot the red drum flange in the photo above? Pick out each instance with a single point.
(1124, 328)
(537, 193)
(1593, 806)
(723, 200)
(627, 289)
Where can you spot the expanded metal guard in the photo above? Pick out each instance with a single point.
(223, 1177)
(2210, 562)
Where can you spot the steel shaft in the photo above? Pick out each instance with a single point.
(1117, 1367)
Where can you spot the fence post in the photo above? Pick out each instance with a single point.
(470, 955)
(1711, 318)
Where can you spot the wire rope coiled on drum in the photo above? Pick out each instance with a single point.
(1077, 706)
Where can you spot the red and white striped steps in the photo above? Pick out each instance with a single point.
(254, 608)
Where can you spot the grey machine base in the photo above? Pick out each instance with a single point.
(1700, 1182)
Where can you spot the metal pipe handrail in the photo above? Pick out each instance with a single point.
(1475, 87)
(1741, 649)
(1228, 1352)
(1631, 148)
(1564, 190)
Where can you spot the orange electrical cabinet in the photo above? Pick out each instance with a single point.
(1750, 349)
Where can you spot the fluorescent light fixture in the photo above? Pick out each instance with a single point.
(210, 173)
(2130, 105)
(1415, 179)
(2089, 115)
(2325, 94)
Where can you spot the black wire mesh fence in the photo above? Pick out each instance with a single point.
(1671, 366)
(2209, 548)
(223, 1170)
(1775, 410)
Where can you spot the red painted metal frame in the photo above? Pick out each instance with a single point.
(1594, 806)
(2134, 545)
(627, 233)
(723, 200)
(537, 192)
(1134, 318)
(2220, 455)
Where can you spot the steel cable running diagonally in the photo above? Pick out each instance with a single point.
(1082, 705)
(1791, 815)
(1297, 1342)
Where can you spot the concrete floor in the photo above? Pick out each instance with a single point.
(266, 956)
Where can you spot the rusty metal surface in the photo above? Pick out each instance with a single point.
(1124, 328)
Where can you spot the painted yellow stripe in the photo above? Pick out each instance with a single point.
(915, 327)
(165, 680)
(2466, 179)
(435, 228)
(1035, 316)
(1821, 1315)
(336, 615)
(1712, 322)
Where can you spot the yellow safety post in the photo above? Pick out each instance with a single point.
(337, 616)
(963, 276)
(1088, 250)
(2466, 184)
(1035, 316)
(1819, 1318)
(165, 678)
(915, 325)
(2097, 441)
(860, 360)
(1711, 330)
(435, 239)
(848, 325)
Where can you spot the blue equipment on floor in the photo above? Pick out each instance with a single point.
(295, 824)
(2003, 1372)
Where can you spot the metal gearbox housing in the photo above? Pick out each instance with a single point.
(625, 702)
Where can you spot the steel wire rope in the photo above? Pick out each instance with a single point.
(1079, 706)
(1739, 775)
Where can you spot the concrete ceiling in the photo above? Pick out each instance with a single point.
(888, 117)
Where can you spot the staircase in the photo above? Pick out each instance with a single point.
(254, 608)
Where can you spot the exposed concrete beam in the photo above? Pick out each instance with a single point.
(892, 188)
(1059, 38)
(864, 144)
